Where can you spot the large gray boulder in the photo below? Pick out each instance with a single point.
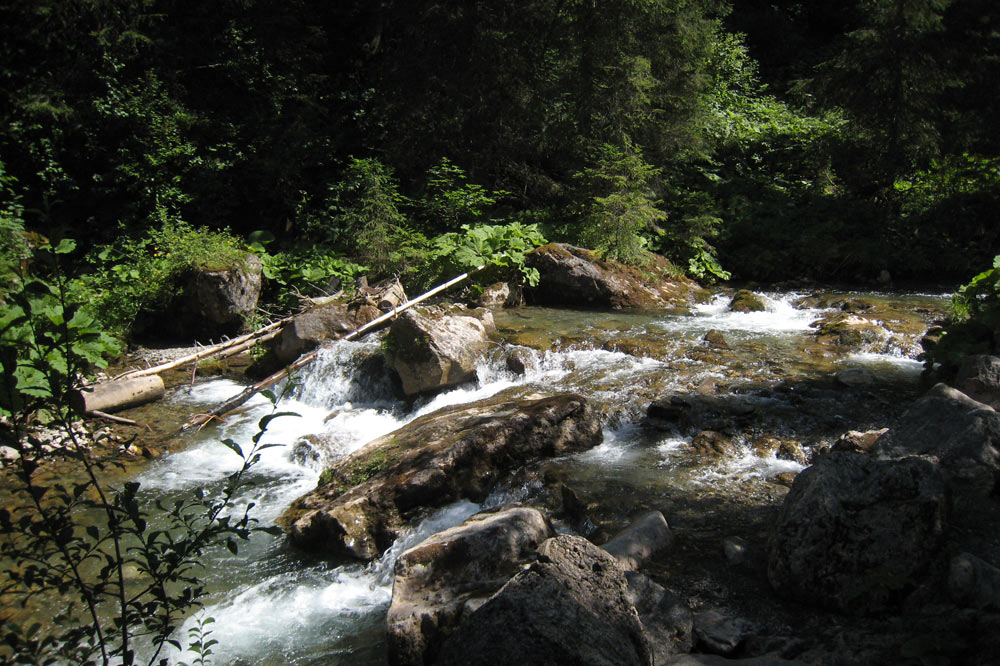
(448, 576)
(433, 348)
(214, 303)
(456, 452)
(570, 607)
(571, 276)
(855, 534)
(667, 621)
(960, 433)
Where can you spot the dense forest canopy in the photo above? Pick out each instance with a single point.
(766, 140)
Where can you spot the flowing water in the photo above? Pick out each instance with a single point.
(275, 605)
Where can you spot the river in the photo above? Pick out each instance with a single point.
(275, 605)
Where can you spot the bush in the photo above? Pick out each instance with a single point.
(142, 275)
(74, 546)
(975, 323)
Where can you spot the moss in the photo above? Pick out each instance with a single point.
(357, 470)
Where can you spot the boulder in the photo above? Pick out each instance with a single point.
(747, 301)
(214, 303)
(574, 277)
(854, 534)
(979, 378)
(307, 331)
(448, 576)
(500, 295)
(646, 536)
(456, 452)
(973, 583)
(571, 606)
(433, 348)
(959, 432)
(667, 621)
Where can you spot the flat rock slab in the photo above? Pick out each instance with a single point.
(458, 452)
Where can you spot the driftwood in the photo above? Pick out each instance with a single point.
(116, 419)
(242, 340)
(199, 420)
(117, 394)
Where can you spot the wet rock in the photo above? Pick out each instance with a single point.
(785, 479)
(456, 452)
(959, 432)
(571, 606)
(931, 337)
(433, 349)
(448, 576)
(854, 534)
(520, 360)
(666, 620)
(782, 449)
(747, 301)
(645, 537)
(306, 332)
(850, 330)
(979, 378)
(974, 583)
(855, 377)
(701, 411)
(712, 444)
(858, 442)
(717, 633)
(572, 276)
(735, 550)
(716, 339)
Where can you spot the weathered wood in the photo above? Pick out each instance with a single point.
(201, 419)
(207, 351)
(392, 297)
(116, 419)
(117, 394)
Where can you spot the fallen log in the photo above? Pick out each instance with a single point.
(207, 351)
(199, 420)
(117, 394)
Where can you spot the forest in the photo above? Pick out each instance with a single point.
(755, 140)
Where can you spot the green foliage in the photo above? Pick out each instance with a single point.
(500, 248)
(14, 250)
(946, 220)
(615, 219)
(142, 275)
(109, 576)
(974, 324)
(307, 271)
(47, 341)
(450, 201)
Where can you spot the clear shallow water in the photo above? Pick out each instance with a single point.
(273, 605)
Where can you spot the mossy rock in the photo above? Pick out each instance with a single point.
(747, 301)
